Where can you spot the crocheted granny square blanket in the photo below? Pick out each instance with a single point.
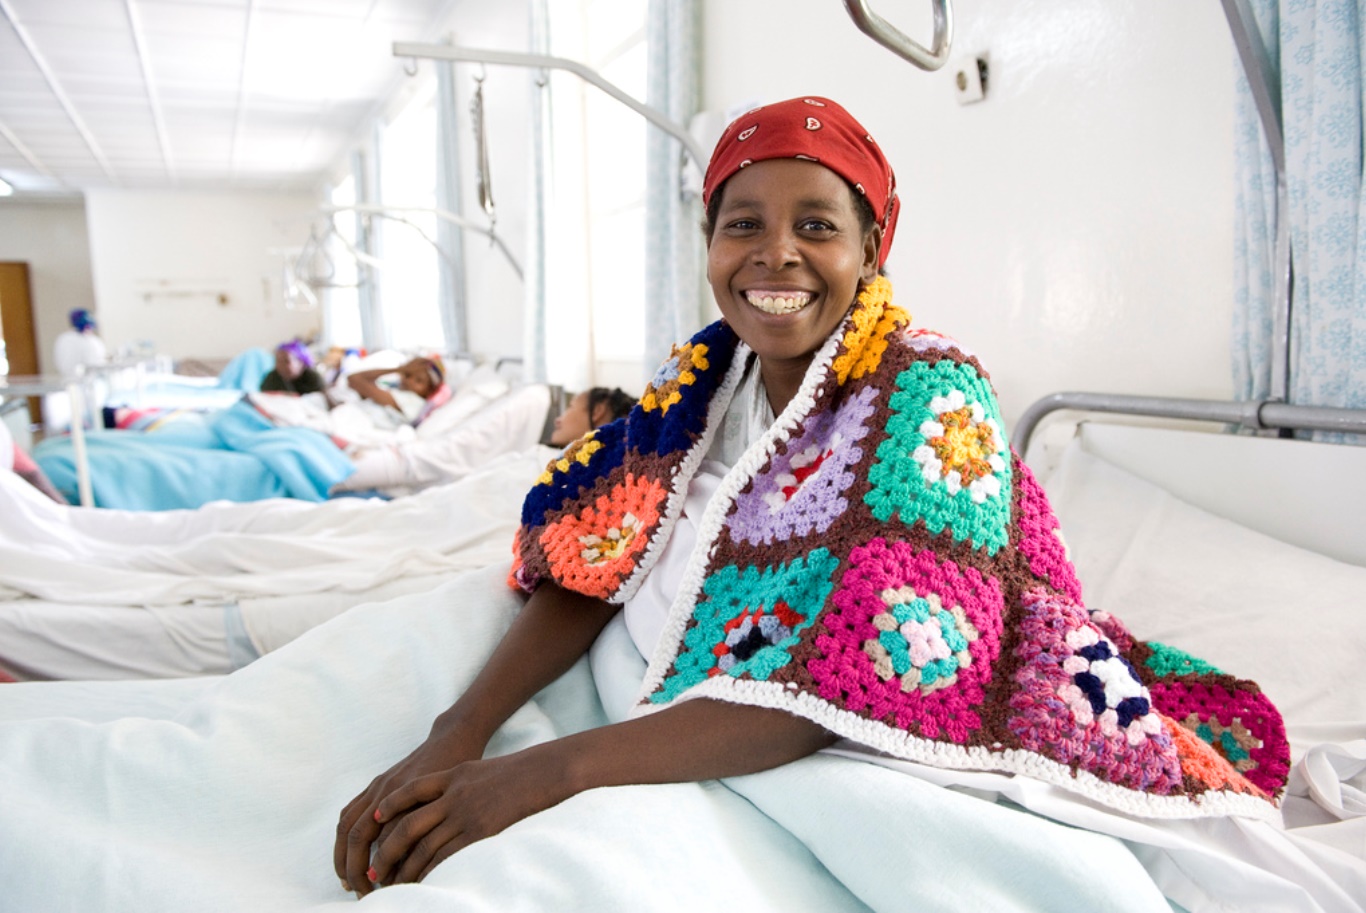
(882, 563)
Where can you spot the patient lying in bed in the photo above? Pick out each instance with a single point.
(14, 458)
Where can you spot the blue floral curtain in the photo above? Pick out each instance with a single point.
(673, 244)
(1315, 49)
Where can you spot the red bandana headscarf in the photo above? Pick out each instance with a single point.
(816, 130)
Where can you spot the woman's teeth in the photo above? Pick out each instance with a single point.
(770, 303)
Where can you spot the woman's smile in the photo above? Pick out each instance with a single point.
(778, 302)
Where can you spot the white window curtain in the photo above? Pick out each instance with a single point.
(450, 237)
(1315, 51)
(673, 244)
(341, 299)
(585, 293)
(410, 275)
(534, 359)
(363, 172)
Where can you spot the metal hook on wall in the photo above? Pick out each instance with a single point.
(410, 66)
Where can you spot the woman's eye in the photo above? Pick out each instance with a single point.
(742, 225)
(815, 225)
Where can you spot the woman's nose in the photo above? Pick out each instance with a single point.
(776, 249)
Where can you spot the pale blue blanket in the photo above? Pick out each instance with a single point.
(235, 454)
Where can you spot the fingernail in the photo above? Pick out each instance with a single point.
(345, 887)
(376, 814)
(370, 874)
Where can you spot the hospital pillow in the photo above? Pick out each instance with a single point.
(1292, 620)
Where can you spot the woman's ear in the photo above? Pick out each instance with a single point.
(872, 248)
(602, 414)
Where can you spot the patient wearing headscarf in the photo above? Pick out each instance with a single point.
(293, 371)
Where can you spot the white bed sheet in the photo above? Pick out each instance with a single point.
(229, 801)
(245, 774)
(118, 594)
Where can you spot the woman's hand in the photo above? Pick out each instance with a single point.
(358, 827)
(434, 816)
(552, 631)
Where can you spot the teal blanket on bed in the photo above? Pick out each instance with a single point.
(235, 454)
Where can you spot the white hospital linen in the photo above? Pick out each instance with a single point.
(103, 594)
(452, 443)
(229, 802)
(226, 551)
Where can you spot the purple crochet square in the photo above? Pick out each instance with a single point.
(801, 490)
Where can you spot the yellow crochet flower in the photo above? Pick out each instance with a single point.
(666, 388)
(578, 452)
(875, 318)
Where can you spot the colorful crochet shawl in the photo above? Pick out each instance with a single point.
(882, 563)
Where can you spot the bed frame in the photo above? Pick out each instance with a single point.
(1253, 415)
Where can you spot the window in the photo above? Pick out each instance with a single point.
(409, 278)
(341, 322)
(599, 145)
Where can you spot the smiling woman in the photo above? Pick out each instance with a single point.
(812, 527)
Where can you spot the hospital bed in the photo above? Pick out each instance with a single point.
(264, 446)
(114, 594)
(270, 754)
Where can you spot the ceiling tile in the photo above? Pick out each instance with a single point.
(89, 13)
(314, 71)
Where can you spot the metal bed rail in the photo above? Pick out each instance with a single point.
(1255, 415)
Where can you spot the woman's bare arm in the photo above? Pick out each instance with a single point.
(552, 631)
(366, 384)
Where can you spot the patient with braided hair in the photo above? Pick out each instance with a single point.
(589, 410)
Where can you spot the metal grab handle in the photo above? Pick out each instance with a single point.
(891, 38)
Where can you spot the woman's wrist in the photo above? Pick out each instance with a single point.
(457, 726)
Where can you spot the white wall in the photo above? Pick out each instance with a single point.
(1075, 228)
(160, 259)
(51, 238)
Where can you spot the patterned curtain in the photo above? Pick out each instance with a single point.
(673, 243)
(1315, 50)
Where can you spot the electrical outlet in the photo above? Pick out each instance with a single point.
(969, 79)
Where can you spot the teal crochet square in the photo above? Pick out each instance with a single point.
(749, 619)
(945, 460)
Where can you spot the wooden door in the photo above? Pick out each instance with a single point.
(16, 327)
